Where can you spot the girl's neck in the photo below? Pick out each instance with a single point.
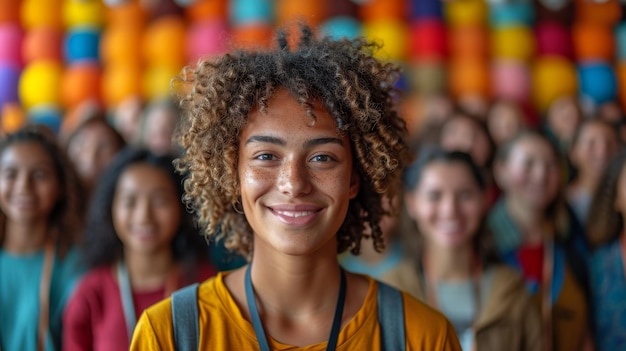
(25, 238)
(149, 271)
(291, 285)
(531, 222)
(445, 264)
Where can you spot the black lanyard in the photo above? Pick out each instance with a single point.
(258, 325)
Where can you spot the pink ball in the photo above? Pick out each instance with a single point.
(11, 37)
(510, 79)
(207, 38)
(553, 38)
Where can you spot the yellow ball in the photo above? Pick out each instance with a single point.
(38, 13)
(157, 81)
(392, 35)
(40, 84)
(514, 42)
(466, 12)
(553, 77)
(83, 12)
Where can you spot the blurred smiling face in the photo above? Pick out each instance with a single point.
(530, 173)
(447, 204)
(146, 209)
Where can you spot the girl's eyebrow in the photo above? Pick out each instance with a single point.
(281, 142)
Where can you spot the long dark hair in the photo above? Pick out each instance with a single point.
(101, 246)
(66, 218)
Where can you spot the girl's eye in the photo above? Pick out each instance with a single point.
(321, 158)
(265, 157)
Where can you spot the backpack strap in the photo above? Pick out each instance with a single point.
(185, 318)
(391, 318)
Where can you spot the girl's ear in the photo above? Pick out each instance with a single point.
(355, 184)
(499, 174)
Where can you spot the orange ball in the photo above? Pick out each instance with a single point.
(9, 11)
(42, 43)
(164, 41)
(119, 82)
(13, 118)
(468, 77)
(36, 13)
(382, 10)
(130, 13)
(288, 11)
(202, 10)
(80, 83)
(251, 36)
(120, 44)
(593, 41)
(601, 12)
(468, 42)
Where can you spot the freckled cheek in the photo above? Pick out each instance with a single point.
(254, 181)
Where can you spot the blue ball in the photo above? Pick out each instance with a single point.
(341, 27)
(425, 9)
(251, 11)
(9, 81)
(82, 44)
(598, 82)
(511, 13)
(48, 116)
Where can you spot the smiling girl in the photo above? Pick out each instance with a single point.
(140, 246)
(290, 153)
(41, 217)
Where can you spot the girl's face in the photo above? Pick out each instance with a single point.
(92, 150)
(447, 204)
(531, 173)
(503, 122)
(462, 134)
(595, 146)
(563, 118)
(29, 184)
(159, 129)
(296, 177)
(146, 209)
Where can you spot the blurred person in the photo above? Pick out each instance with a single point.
(158, 124)
(504, 120)
(41, 209)
(454, 268)
(535, 232)
(594, 144)
(140, 245)
(126, 118)
(560, 122)
(91, 147)
(607, 269)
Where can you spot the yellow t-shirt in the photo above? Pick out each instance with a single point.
(222, 326)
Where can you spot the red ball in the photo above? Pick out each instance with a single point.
(428, 39)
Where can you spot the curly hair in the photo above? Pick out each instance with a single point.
(101, 245)
(66, 218)
(604, 222)
(217, 95)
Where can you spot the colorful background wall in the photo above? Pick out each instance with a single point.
(58, 54)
